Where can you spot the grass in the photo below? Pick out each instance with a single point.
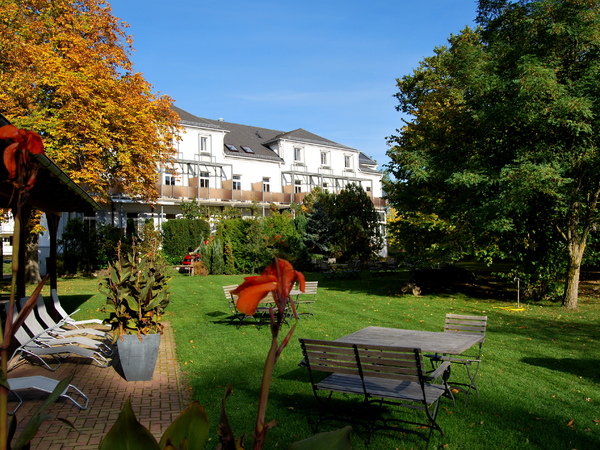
(539, 380)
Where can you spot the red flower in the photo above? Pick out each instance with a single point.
(278, 278)
(16, 155)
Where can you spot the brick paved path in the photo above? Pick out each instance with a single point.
(156, 403)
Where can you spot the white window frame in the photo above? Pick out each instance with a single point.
(298, 154)
(170, 179)
(203, 143)
(204, 179)
(297, 186)
(266, 184)
(324, 158)
(347, 161)
(236, 183)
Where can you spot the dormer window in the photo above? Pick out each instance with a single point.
(247, 149)
(231, 148)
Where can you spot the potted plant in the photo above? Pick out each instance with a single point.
(137, 294)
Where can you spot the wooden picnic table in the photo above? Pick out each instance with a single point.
(428, 341)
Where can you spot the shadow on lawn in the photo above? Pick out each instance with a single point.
(586, 368)
(72, 302)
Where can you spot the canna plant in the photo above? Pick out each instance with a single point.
(137, 293)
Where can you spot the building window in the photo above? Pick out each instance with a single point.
(325, 185)
(169, 179)
(237, 183)
(324, 158)
(297, 186)
(247, 149)
(266, 184)
(368, 189)
(231, 148)
(347, 161)
(297, 154)
(204, 179)
(203, 142)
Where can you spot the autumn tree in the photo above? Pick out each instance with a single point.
(499, 156)
(65, 71)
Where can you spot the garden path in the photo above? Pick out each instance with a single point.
(156, 403)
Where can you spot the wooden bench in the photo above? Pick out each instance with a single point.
(380, 375)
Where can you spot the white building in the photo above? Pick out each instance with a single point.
(224, 164)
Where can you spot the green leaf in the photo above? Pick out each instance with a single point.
(191, 426)
(128, 434)
(331, 440)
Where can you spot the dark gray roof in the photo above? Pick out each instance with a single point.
(367, 164)
(259, 139)
(302, 135)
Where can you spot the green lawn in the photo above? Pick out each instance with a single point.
(539, 380)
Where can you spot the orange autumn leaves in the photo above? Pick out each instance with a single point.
(278, 278)
(16, 155)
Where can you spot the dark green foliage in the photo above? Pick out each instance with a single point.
(212, 256)
(282, 238)
(229, 259)
(87, 247)
(356, 224)
(77, 254)
(344, 225)
(181, 234)
(191, 210)
(108, 241)
(500, 157)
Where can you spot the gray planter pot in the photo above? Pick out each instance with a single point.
(138, 358)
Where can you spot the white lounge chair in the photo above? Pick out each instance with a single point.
(36, 349)
(65, 317)
(45, 384)
(48, 322)
(28, 346)
(53, 336)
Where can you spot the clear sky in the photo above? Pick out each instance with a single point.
(328, 66)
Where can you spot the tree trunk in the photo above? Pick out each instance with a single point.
(576, 249)
(32, 267)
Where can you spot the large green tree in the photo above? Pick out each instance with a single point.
(65, 72)
(344, 225)
(499, 156)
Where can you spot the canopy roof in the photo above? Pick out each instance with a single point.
(54, 191)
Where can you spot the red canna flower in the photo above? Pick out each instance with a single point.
(278, 278)
(16, 155)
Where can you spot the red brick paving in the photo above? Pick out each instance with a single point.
(156, 403)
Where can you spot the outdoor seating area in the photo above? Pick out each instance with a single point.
(386, 366)
(303, 302)
(381, 375)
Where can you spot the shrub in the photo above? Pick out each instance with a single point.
(181, 234)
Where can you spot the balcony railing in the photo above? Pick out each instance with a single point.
(235, 195)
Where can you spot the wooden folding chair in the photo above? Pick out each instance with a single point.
(457, 323)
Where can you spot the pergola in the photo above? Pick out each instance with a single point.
(54, 193)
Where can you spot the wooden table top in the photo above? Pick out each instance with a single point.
(427, 341)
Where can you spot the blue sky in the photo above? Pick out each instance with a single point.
(328, 66)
